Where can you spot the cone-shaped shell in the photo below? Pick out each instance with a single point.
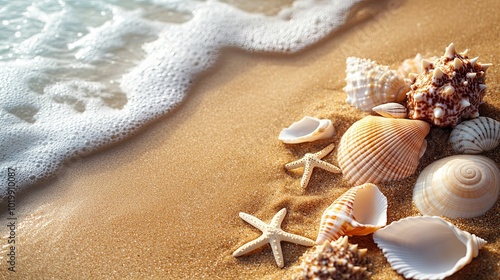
(427, 247)
(475, 136)
(369, 84)
(308, 129)
(391, 110)
(459, 186)
(359, 211)
(377, 149)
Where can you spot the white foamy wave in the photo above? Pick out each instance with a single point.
(76, 76)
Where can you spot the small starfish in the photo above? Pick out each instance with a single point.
(309, 161)
(272, 234)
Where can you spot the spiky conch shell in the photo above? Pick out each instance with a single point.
(336, 260)
(426, 247)
(459, 186)
(359, 211)
(369, 84)
(377, 149)
(449, 90)
(475, 136)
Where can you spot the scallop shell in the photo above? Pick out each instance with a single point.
(391, 110)
(476, 136)
(369, 84)
(308, 129)
(359, 211)
(377, 149)
(427, 247)
(459, 186)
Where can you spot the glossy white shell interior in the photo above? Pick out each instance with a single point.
(427, 247)
(308, 129)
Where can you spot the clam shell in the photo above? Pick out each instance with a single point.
(427, 247)
(369, 84)
(459, 186)
(377, 149)
(391, 110)
(476, 136)
(359, 211)
(308, 129)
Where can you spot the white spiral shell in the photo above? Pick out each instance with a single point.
(427, 247)
(369, 84)
(377, 149)
(359, 211)
(459, 186)
(475, 136)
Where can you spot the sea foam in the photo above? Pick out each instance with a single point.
(76, 76)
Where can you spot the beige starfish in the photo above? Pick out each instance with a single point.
(272, 234)
(309, 161)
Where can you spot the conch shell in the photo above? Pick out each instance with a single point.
(369, 84)
(377, 149)
(308, 129)
(426, 247)
(459, 186)
(475, 136)
(359, 211)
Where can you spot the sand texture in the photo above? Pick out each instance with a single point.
(165, 203)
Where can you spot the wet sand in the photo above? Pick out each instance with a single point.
(165, 203)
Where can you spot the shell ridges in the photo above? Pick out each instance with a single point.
(476, 136)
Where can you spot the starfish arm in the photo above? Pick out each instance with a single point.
(250, 246)
(254, 221)
(325, 151)
(295, 164)
(307, 174)
(326, 166)
(277, 252)
(295, 238)
(278, 218)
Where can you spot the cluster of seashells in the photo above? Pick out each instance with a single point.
(422, 93)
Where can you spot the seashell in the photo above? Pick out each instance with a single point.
(308, 129)
(369, 84)
(336, 260)
(459, 186)
(476, 136)
(359, 211)
(391, 110)
(377, 149)
(413, 65)
(449, 90)
(426, 247)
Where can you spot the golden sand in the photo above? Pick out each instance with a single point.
(165, 203)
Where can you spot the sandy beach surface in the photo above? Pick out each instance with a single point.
(165, 203)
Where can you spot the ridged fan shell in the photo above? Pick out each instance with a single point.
(476, 136)
(359, 211)
(459, 186)
(369, 84)
(427, 247)
(391, 110)
(377, 149)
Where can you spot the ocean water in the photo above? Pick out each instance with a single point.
(76, 76)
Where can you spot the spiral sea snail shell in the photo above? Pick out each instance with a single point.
(459, 186)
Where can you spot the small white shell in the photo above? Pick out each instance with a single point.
(427, 247)
(475, 136)
(391, 110)
(369, 84)
(359, 211)
(377, 149)
(459, 186)
(308, 129)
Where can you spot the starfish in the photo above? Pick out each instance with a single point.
(272, 234)
(309, 161)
